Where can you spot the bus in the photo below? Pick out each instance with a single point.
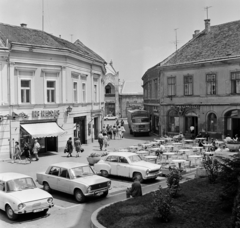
(138, 121)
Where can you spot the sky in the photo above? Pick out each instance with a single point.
(134, 34)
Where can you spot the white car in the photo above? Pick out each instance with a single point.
(74, 178)
(110, 117)
(128, 165)
(19, 195)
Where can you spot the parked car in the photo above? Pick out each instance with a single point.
(74, 178)
(128, 165)
(110, 117)
(19, 195)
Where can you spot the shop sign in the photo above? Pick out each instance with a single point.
(181, 109)
(46, 113)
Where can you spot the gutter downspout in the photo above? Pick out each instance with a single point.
(91, 125)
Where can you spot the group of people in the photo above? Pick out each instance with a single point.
(26, 150)
(111, 132)
(69, 147)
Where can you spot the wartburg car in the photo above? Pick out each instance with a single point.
(74, 178)
(128, 165)
(19, 195)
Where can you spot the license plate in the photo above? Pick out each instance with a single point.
(37, 210)
(98, 193)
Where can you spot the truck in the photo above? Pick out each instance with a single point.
(138, 121)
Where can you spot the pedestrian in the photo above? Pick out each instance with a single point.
(122, 130)
(114, 131)
(105, 141)
(207, 136)
(135, 190)
(122, 122)
(100, 140)
(77, 146)
(104, 130)
(27, 153)
(117, 122)
(69, 147)
(110, 132)
(17, 152)
(36, 148)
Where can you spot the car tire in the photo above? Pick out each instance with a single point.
(104, 173)
(46, 187)
(105, 194)
(79, 197)
(10, 213)
(138, 176)
(44, 212)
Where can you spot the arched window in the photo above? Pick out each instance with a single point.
(108, 89)
(212, 122)
(173, 121)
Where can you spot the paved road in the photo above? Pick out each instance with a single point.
(68, 213)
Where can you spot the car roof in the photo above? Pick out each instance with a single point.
(127, 154)
(11, 176)
(69, 165)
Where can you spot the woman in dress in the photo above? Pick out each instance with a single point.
(77, 146)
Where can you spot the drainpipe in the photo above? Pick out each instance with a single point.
(91, 125)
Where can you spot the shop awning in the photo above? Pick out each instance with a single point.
(42, 130)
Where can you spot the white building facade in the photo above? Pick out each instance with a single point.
(50, 89)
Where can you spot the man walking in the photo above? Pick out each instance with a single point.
(100, 140)
(77, 146)
(36, 148)
(69, 147)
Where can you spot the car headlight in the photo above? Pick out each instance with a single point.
(109, 184)
(89, 189)
(50, 200)
(21, 206)
(147, 171)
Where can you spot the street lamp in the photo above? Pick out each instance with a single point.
(69, 109)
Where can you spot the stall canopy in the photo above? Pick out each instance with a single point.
(42, 130)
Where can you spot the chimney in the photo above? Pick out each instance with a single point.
(207, 25)
(196, 32)
(23, 25)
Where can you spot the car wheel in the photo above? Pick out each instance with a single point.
(105, 194)
(46, 187)
(10, 213)
(104, 173)
(138, 176)
(79, 197)
(45, 212)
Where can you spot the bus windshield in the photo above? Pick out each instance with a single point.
(140, 120)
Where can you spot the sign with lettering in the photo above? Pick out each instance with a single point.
(46, 113)
(181, 109)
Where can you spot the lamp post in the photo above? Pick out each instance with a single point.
(69, 109)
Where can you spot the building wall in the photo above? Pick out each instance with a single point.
(35, 66)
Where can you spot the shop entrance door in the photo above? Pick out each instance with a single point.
(51, 144)
(80, 128)
(96, 128)
(191, 121)
(235, 126)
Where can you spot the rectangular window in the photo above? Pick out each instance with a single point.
(95, 93)
(51, 92)
(75, 92)
(235, 82)
(84, 92)
(211, 84)
(171, 83)
(156, 88)
(188, 85)
(25, 91)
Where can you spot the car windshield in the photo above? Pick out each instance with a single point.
(141, 120)
(135, 158)
(20, 184)
(82, 171)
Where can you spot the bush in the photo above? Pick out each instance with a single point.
(173, 180)
(94, 155)
(212, 168)
(162, 204)
(236, 211)
(228, 177)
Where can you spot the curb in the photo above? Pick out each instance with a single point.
(94, 221)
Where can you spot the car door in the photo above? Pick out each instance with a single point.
(123, 167)
(63, 181)
(113, 162)
(52, 177)
(2, 195)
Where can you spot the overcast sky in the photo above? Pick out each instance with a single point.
(134, 34)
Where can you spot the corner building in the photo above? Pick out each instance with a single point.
(198, 85)
(50, 89)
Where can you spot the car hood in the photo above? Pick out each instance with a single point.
(28, 195)
(147, 165)
(91, 180)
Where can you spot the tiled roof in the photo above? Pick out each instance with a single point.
(37, 37)
(221, 42)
